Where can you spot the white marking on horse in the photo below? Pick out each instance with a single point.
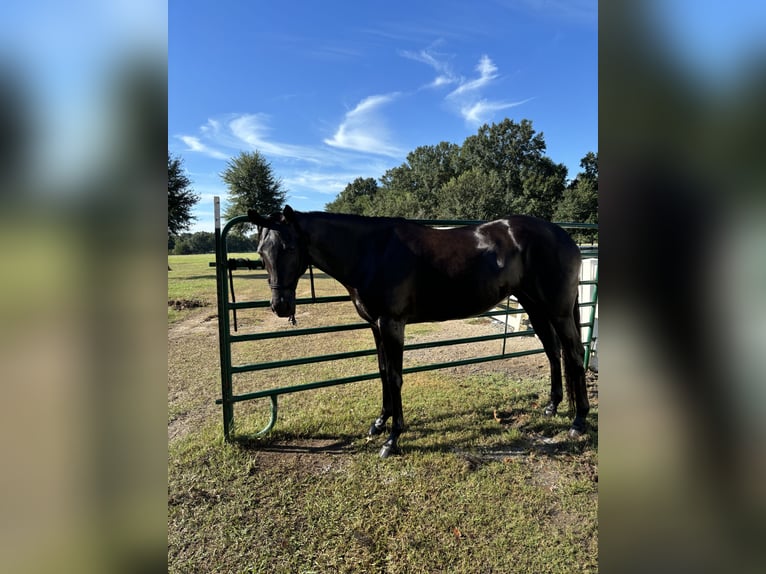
(483, 242)
(516, 244)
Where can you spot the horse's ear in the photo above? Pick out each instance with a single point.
(259, 220)
(289, 214)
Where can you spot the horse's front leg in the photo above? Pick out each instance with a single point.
(392, 340)
(379, 424)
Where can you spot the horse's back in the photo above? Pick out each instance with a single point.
(440, 274)
(458, 272)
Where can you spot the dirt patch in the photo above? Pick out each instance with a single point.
(182, 304)
(524, 367)
(193, 372)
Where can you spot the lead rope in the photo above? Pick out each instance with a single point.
(291, 318)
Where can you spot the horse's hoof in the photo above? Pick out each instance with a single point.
(576, 432)
(375, 431)
(388, 449)
(550, 410)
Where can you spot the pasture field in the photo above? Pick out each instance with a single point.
(485, 482)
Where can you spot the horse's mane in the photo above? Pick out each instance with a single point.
(356, 219)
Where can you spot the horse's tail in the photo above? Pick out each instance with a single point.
(569, 376)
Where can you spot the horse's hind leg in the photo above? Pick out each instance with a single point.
(573, 353)
(379, 425)
(544, 330)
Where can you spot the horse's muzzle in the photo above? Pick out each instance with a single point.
(283, 302)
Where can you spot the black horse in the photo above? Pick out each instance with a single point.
(400, 272)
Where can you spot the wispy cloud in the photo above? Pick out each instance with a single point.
(362, 133)
(249, 131)
(363, 129)
(487, 72)
(253, 129)
(468, 98)
(480, 112)
(194, 144)
(326, 183)
(311, 174)
(444, 74)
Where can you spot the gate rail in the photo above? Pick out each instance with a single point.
(226, 339)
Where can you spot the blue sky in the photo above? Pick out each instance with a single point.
(331, 91)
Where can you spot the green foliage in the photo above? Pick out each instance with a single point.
(252, 185)
(541, 188)
(181, 197)
(500, 170)
(238, 243)
(204, 242)
(199, 242)
(461, 200)
(397, 203)
(356, 198)
(580, 200)
(507, 148)
(430, 168)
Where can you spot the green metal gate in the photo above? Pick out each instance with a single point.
(227, 306)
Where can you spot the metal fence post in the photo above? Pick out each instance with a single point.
(223, 323)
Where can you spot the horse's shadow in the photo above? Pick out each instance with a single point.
(285, 442)
(445, 433)
(516, 432)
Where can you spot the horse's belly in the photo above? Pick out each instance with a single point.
(455, 303)
(455, 290)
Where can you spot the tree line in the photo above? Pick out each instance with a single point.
(204, 242)
(501, 170)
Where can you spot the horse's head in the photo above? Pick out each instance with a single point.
(284, 255)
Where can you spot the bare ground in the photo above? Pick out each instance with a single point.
(193, 372)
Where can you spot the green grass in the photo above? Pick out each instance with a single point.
(484, 483)
(469, 494)
(190, 278)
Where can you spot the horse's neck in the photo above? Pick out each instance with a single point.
(337, 247)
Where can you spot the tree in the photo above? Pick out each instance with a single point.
(356, 198)
(590, 164)
(579, 203)
(431, 167)
(541, 188)
(475, 194)
(181, 197)
(204, 242)
(532, 182)
(396, 197)
(252, 185)
(509, 148)
(396, 203)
